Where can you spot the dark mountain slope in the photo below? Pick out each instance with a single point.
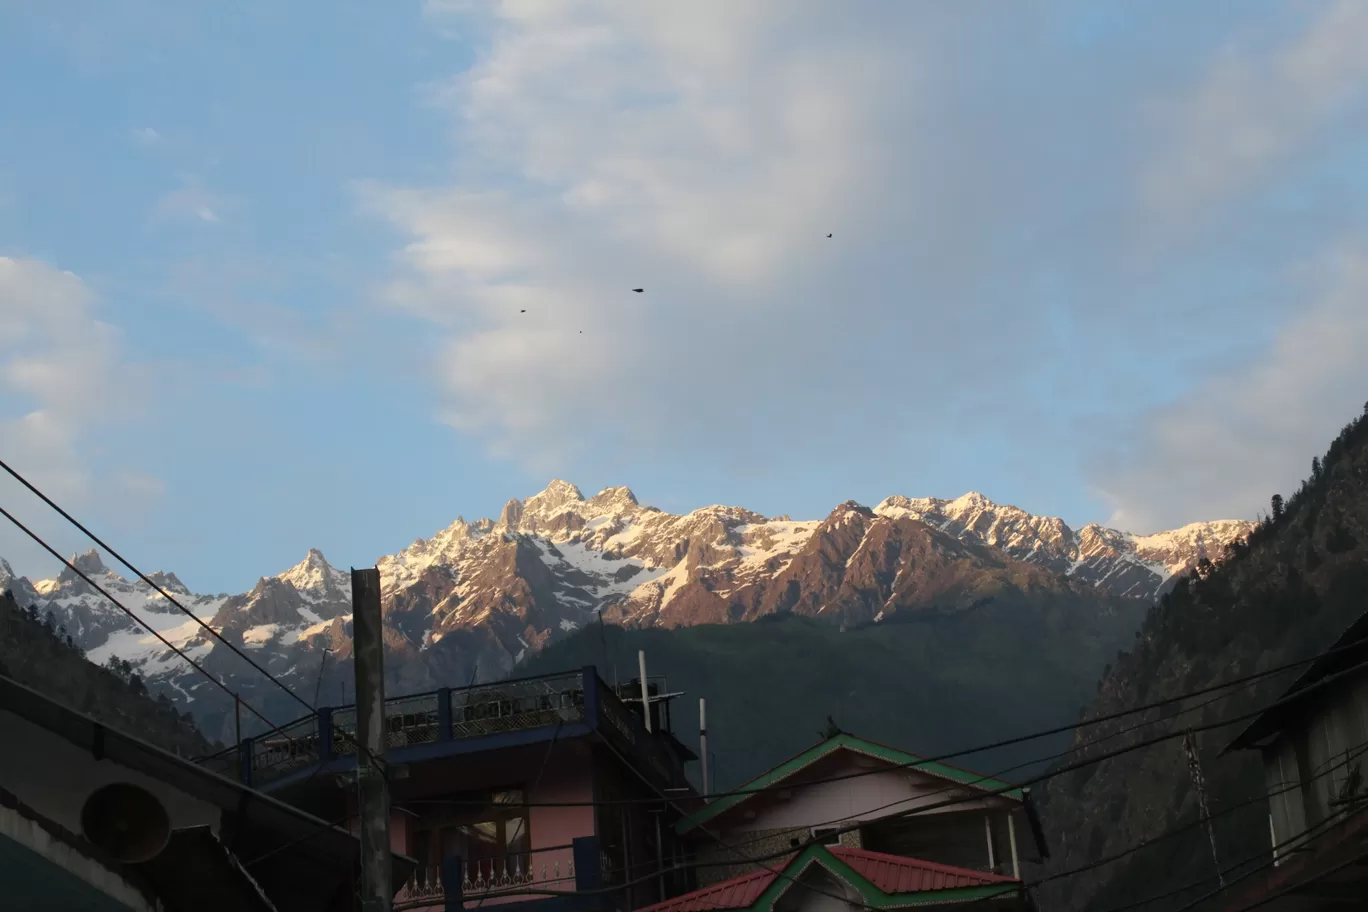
(1289, 591)
(926, 682)
(38, 654)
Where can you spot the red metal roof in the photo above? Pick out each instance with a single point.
(895, 874)
(737, 893)
(890, 874)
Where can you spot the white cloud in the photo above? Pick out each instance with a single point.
(1250, 431)
(191, 201)
(147, 136)
(991, 283)
(62, 377)
(687, 150)
(1259, 105)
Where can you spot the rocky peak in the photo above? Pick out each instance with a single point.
(168, 582)
(315, 575)
(512, 514)
(89, 562)
(848, 508)
(70, 580)
(616, 497)
(557, 496)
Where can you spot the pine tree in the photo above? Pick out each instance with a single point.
(1315, 467)
(1275, 505)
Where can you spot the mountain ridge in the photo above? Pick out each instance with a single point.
(476, 598)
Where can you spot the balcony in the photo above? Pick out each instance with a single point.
(516, 877)
(448, 721)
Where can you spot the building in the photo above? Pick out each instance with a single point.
(551, 794)
(1313, 744)
(873, 818)
(223, 846)
(838, 878)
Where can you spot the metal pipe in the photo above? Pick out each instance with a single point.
(988, 831)
(1011, 837)
(703, 742)
(660, 856)
(645, 692)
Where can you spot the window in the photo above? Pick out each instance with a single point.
(485, 840)
(827, 836)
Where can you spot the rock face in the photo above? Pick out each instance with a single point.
(478, 597)
(1131, 565)
(1287, 593)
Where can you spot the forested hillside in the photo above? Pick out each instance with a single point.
(927, 683)
(1285, 593)
(39, 654)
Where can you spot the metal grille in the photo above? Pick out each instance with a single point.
(344, 732)
(287, 748)
(411, 720)
(516, 705)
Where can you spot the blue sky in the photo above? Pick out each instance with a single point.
(263, 264)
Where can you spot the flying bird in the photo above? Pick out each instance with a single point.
(828, 235)
(638, 290)
(524, 310)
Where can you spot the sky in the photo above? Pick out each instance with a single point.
(276, 276)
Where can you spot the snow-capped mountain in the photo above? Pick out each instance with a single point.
(1121, 563)
(476, 598)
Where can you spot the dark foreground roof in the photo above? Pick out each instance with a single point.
(302, 846)
(1291, 707)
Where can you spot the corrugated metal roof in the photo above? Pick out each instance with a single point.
(895, 874)
(890, 874)
(737, 893)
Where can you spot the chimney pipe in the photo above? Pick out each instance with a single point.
(645, 693)
(703, 742)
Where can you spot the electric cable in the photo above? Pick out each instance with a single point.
(148, 627)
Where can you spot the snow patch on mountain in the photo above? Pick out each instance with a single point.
(551, 564)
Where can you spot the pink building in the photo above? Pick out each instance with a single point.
(543, 794)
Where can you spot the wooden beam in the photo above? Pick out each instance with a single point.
(368, 660)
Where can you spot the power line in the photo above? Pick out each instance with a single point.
(1108, 755)
(148, 580)
(1055, 756)
(1266, 866)
(1239, 682)
(166, 595)
(1292, 888)
(1339, 762)
(759, 861)
(148, 627)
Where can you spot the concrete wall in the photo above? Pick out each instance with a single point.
(768, 825)
(55, 777)
(29, 836)
(867, 797)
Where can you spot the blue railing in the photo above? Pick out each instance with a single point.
(447, 715)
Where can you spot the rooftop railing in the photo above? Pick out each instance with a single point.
(413, 720)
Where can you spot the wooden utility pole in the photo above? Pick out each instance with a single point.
(368, 660)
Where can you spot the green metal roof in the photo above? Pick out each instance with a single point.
(732, 896)
(847, 742)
